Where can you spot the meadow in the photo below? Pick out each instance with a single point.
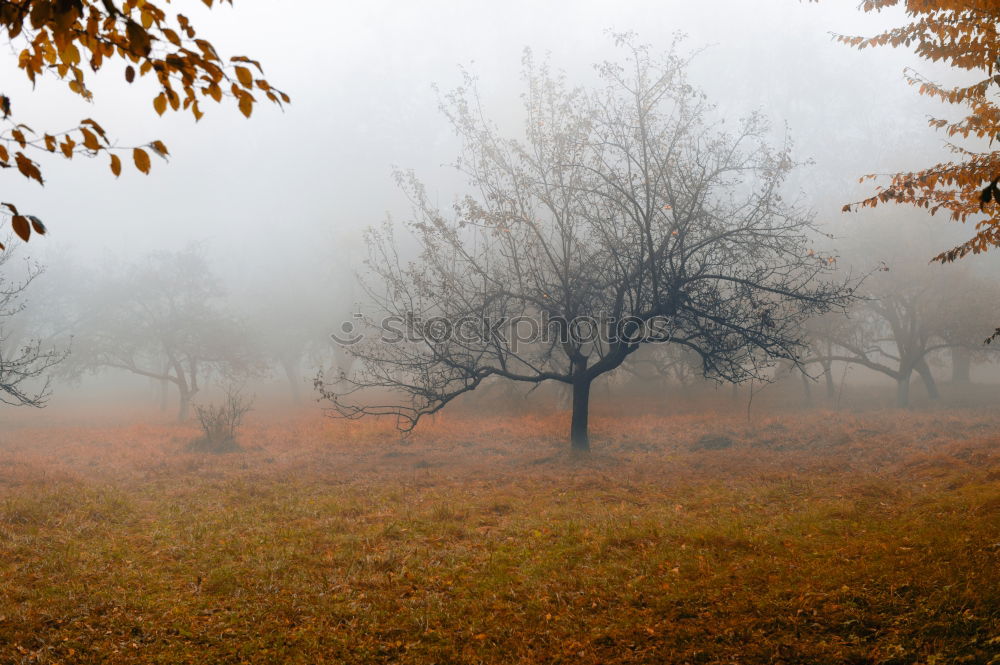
(812, 537)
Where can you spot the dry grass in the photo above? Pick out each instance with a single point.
(819, 538)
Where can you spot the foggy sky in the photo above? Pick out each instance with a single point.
(257, 192)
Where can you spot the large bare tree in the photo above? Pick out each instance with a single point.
(625, 215)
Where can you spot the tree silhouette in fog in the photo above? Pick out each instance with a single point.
(162, 317)
(908, 315)
(626, 207)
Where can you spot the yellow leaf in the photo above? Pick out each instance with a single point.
(160, 104)
(116, 165)
(71, 54)
(245, 77)
(246, 105)
(90, 140)
(172, 36)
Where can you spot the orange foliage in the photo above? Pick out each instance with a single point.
(66, 38)
(963, 34)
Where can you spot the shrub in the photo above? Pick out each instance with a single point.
(221, 422)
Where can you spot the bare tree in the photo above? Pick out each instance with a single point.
(910, 313)
(968, 315)
(161, 318)
(24, 362)
(625, 216)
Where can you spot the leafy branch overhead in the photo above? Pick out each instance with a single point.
(962, 34)
(69, 39)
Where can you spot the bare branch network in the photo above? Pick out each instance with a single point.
(626, 201)
(24, 361)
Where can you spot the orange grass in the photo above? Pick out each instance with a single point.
(816, 538)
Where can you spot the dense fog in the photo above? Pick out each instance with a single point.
(259, 224)
(552, 331)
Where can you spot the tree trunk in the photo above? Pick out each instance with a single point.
(185, 403)
(185, 394)
(807, 397)
(831, 389)
(925, 373)
(163, 385)
(579, 436)
(291, 368)
(903, 389)
(961, 366)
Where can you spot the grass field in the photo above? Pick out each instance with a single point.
(809, 538)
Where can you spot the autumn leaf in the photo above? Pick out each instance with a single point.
(90, 140)
(27, 167)
(71, 39)
(246, 104)
(245, 77)
(37, 225)
(160, 148)
(21, 226)
(141, 158)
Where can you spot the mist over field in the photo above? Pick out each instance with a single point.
(525, 332)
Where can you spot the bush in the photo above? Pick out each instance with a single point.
(221, 422)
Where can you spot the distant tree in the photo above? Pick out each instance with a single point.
(624, 203)
(24, 362)
(965, 35)
(664, 362)
(162, 318)
(972, 307)
(73, 39)
(823, 334)
(892, 337)
(908, 315)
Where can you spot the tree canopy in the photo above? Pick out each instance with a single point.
(163, 317)
(962, 34)
(627, 214)
(73, 39)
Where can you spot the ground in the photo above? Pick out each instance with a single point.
(814, 537)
